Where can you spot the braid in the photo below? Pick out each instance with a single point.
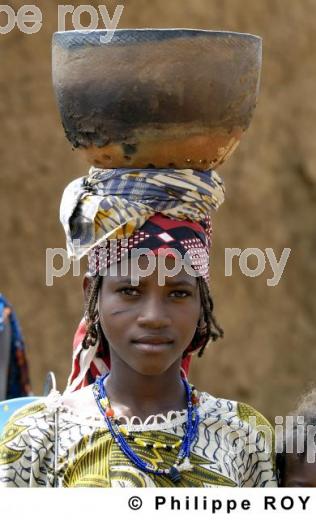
(93, 297)
(91, 314)
(213, 329)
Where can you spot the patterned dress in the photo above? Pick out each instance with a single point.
(233, 448)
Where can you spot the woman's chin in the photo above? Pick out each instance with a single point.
(151, 369)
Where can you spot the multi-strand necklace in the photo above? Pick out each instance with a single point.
(120, 433)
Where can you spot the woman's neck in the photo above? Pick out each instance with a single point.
(135, 394)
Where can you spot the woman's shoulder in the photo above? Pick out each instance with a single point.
(28, 440)
(26, 445)
(41, 408)
(36, 422)
(79, 403)
(231, 412)
(33, 420)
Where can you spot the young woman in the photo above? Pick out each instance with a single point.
(141, 424)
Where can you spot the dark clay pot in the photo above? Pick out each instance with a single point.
(161, 98)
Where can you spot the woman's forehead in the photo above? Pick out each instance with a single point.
(166, 270)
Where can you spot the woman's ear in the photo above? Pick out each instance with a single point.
(86, 285)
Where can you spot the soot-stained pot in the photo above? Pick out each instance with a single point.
(160, 98)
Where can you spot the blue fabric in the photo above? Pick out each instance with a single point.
(18, 376)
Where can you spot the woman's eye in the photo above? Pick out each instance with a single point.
(181, 294)
(129, 291)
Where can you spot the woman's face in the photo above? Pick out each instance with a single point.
(149, 326)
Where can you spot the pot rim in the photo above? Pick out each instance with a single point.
(158, 30)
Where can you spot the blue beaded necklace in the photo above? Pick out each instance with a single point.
(182, 462)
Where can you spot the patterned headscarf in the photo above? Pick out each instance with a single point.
(113, 204)
(159, 235)
(154, 209)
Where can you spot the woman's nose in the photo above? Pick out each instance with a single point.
(154, 314)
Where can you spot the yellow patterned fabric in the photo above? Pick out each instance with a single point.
(227, 451)
(249, 414)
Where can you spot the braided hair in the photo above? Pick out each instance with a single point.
(213, 330)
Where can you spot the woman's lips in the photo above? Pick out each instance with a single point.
(153, 343)
(153, 340)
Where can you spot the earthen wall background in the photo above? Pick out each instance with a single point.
(268, 356)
